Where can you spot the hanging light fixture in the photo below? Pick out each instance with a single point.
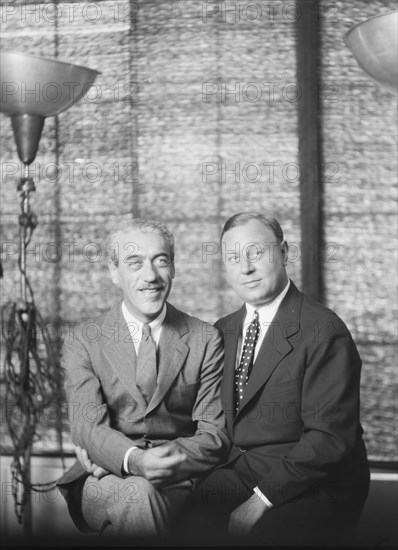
(32, 89)
(374, 45)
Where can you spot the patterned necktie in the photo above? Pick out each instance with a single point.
(246, 363)
(146, 364)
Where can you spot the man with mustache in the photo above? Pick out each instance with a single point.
(144, 382)
(297, 472)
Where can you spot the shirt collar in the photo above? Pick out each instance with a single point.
(156, 323)
(265, 310)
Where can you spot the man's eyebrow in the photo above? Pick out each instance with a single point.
(140, 256)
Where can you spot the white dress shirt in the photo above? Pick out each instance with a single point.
(266, 315)
(135, 328)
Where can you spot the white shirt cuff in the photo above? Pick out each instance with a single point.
(126, 459)
(263, 497)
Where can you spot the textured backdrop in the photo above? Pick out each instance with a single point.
(193, 118)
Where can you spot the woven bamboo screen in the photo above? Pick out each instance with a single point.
(194, 118)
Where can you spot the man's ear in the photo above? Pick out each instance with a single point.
(173, 271)
(114, 272)
(284, 251)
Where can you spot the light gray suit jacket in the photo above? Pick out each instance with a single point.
(108, 414)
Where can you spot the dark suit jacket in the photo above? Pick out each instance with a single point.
(298, 429)
(108, 414)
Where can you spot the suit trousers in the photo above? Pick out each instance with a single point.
(131, 506)
(205, 516)
(316, 518)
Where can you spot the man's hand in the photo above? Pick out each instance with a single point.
(89, 466)
(246, 515)
(158, 465)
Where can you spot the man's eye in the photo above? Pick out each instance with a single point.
(162, 262)
(134, 264)
(233, 259)
(253, 255)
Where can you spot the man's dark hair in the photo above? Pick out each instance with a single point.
(243, 217)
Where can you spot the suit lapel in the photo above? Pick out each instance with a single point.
(172, 352)
(120, 352)
(275, 345)
(232, 331)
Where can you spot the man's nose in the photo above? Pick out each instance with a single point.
(150, 272)
(246, 266)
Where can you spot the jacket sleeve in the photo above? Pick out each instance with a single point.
(209, 445)
(330, 420)
(88, 411)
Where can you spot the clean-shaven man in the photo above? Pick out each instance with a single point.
(297, 471)
(144, 381)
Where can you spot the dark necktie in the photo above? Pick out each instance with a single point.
(246, 363)
(146, 364)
